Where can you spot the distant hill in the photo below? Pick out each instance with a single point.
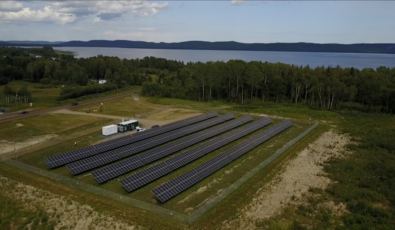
(201, 45)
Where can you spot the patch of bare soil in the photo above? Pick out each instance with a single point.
(63, 211)
(8, 146)
(173, 114)
(291, 186)
(266, 115)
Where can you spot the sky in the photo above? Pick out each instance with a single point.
(176, 21)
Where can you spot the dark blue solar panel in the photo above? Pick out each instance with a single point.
(166, 150)
(119, 142)
(193, 154)
(117, 154)
(183, 182)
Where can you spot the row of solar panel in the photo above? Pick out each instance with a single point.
(117, 154)
(146, 176)
(69, 157)
(117, 169)
(186, 180)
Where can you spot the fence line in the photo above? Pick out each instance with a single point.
(150, 207)
(211, 203)
(99, 191)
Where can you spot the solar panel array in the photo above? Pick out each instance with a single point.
(146, 176)
(79, 154)
(188, 179)
(129, 150)
(117, 169)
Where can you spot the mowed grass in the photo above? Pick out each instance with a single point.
(60, 124)
(299, 111)
(195, 196)
(126, 107)
(37, 158)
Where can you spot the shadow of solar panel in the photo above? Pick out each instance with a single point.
(106, 173)
(177, 185)
(193, 154)
(182, 184)
(140, 179)
(212, 168)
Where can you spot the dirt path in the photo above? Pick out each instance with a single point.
(288, 187)
(169, 115)
(64, 212)
(7, 149)
(15, 116)
(6, 146)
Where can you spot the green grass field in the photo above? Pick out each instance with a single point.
(60, 124)
(126, 107)
(181, 204)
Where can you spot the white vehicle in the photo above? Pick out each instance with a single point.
(138, 129)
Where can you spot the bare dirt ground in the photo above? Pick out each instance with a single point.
(66, 213)
(172, 114)
(7, 146)
(290, 186)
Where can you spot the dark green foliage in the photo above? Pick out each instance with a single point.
(235, 81)
(76, 91)
(366, 180)
(46, 52)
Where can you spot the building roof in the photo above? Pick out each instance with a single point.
(127, 122)
(109, 126)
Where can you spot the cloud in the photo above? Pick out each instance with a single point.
(44, 15)
(139, 8)
(237, 2)
(63, 12)
(147, 29)
(109, 16)
(7, 6)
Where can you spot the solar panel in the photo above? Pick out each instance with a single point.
(181, 183)
(119, 168)
(78, 154)
(193, 154)
(117, 154)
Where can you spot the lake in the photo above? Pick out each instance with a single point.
(356, 60)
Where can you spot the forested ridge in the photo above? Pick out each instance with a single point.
(388, 48)
(236, 81)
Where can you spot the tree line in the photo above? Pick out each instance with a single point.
(236, 81)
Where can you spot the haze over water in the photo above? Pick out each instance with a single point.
(313, 59)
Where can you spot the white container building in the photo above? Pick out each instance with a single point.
(109, 130)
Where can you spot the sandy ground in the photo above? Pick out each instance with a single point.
(290, 187)
(63, 211)
(171, 114)
(7, 146)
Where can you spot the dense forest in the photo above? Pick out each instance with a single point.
(236, 81)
